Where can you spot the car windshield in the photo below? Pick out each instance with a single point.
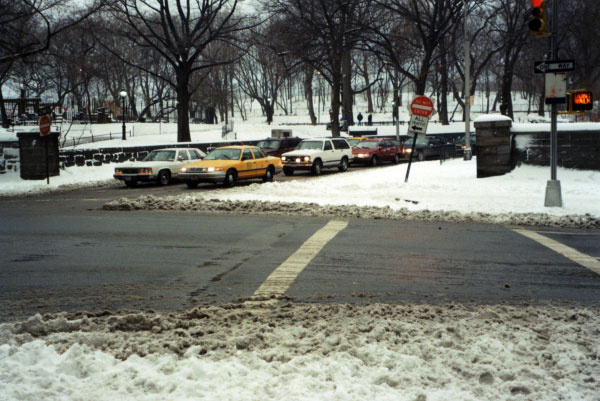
(421, 140)
(305, 145)
(160, 156)
(353, 141)
(268, 144)
(368, 145)
(224, 154)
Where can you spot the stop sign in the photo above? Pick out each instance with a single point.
(45, 125)
(421, 106)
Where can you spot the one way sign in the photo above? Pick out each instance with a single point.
(543, 67)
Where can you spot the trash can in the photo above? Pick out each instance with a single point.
(38, 155)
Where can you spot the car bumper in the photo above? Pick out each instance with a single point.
(135, 177)
(213, 176)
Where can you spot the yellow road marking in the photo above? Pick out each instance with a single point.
(578, 257)
(283, 276)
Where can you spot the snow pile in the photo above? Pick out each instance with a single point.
(307, 352)
(435, 192)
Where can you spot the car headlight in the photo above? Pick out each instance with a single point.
(145, 171)
(407, 150)
(283, 158)
(118, 171)
(306, 158)
(183, 169)
(362, 155)
(215, 169)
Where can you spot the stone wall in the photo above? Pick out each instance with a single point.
(576, 149)
(501, 145)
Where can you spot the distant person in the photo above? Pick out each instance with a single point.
(370, 120)
(359, 117)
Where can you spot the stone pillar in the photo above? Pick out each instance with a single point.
(493, 145)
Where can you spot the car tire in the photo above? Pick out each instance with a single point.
(288, 171)
(343, 165)
(374, 161)
(164, 177)
(268, 177)
(191, 184)
(420, 156)
(396, 158)
(230, 178)
(131, 184)
(317, 167)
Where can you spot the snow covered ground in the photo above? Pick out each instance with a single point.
(309, 352)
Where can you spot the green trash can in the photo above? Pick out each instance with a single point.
(38, 155)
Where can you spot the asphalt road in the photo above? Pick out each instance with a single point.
(61, 252)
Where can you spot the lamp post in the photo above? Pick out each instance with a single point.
(468, 151)
(123, 95)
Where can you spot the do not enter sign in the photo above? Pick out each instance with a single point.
(45, 125)
(421, 106)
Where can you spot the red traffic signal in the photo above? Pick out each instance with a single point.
(581, 101)
(537, 24)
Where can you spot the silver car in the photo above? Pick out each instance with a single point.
(161, 166)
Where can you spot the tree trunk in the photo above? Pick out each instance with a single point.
(3, 110)
(347, 95)
(335, 107)
(366, 78)
(183, 106)
(308, 93)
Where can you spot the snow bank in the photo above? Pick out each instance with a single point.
(307, 352)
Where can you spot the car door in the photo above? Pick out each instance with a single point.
(247, 165)
(328, 153)
(181, 158)
(260, 163)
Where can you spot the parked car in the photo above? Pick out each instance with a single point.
(376, 150)
(432, 147)
(229, 164)
(353, 141)
(278, 146)
(315, 154)
(160, 165)
(459, 145)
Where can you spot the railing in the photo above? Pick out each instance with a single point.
(94, 138)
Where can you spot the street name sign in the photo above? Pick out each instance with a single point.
(543, 67)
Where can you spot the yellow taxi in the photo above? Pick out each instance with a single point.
(228, 164)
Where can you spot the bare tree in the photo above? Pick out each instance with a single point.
(181, 33)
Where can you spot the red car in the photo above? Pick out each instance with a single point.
(373, 151)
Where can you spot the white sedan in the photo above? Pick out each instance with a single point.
(161, 165)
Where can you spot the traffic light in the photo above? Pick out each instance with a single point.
(538, 23)
(580, 101)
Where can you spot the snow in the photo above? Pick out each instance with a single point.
(306, 352)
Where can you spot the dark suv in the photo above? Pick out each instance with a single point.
(278, 146)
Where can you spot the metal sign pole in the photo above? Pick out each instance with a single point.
(553, 191)
(414, 144)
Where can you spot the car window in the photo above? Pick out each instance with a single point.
(327, 145)
(268, 144)
(194, 155)
(310, 145)
(340, 144)
(396, 143)
(224, 154)
(258, 154)
(247, 155)
(367, 145)
(160, 156)
(183, 155)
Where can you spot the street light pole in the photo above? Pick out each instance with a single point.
(468, 152)
(123, 95)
